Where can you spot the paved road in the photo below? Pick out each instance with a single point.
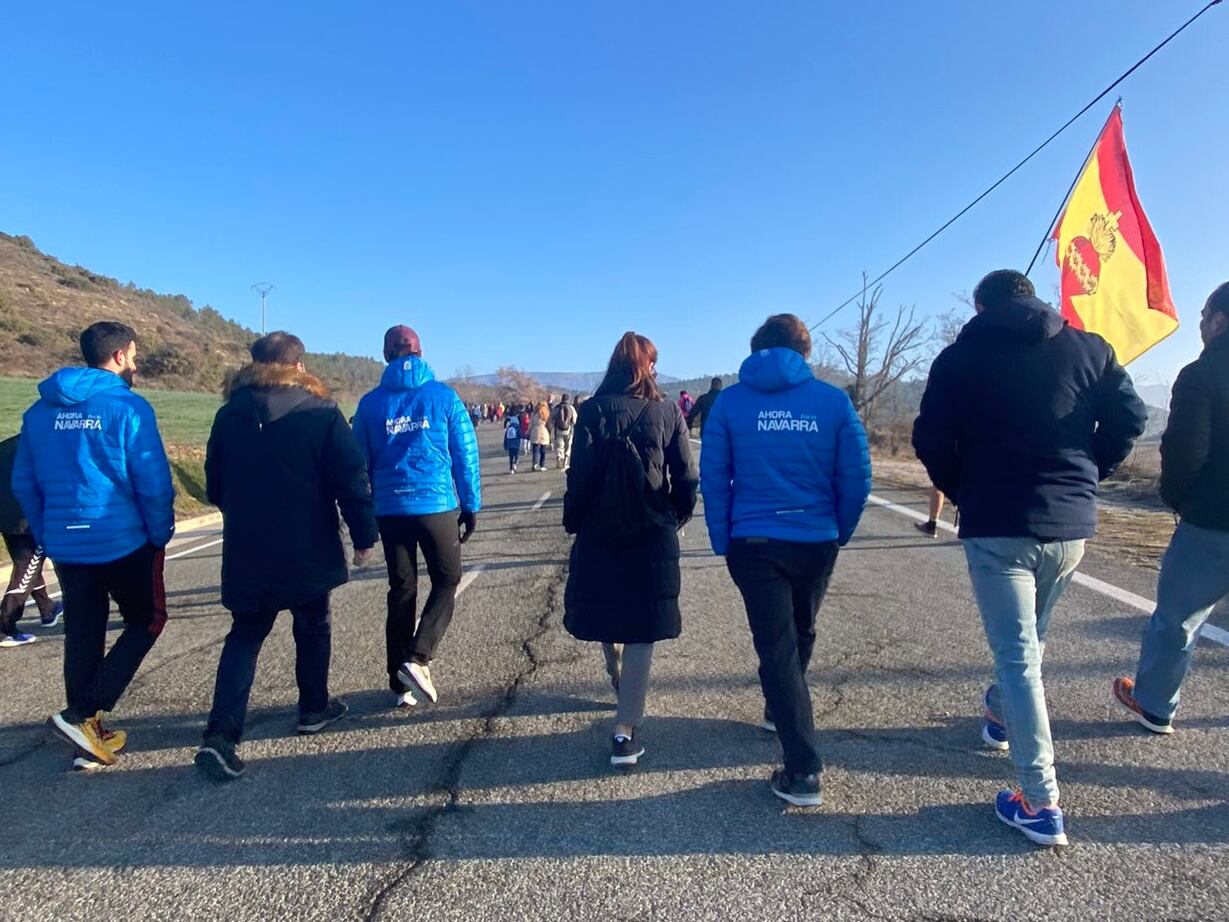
(499, 803)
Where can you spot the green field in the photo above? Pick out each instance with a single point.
(184, 417)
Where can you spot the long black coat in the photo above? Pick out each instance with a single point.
(1195, 447)
(12, 518)
(1022, 417)
(629, 595)
(281, 459)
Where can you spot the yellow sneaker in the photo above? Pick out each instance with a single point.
(87, 735)
(115, 740)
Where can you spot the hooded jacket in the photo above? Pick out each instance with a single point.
(784, 456)
(91, 472)
(1195, 447)
(280, 461)
(422, 453)
(1022, 417)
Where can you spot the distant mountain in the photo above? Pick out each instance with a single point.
(44, 305)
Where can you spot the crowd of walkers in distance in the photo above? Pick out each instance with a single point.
(1021, 418)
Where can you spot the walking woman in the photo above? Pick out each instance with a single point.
(539, 435)
(631, 486)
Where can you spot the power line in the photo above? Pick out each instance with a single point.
(961, 213)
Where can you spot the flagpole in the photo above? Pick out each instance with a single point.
(1063, 204)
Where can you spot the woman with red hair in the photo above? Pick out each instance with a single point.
(631, 487)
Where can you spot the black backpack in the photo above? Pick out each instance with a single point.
(623, 508)
(561, 421)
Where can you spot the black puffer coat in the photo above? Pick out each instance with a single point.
(280, 460)
(629, 594)
(1195, 448)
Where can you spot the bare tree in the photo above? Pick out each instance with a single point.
(519, 385)
(948, 325)
(879, 351)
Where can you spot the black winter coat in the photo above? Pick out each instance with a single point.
(629, 594)
(704, 406)
(1195, 447)
(280, 460)
(1021, 419)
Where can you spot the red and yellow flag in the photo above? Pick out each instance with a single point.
(1113, 274)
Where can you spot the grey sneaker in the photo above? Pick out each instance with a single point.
(799, 790)
(334, 711)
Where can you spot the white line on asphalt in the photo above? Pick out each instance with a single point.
(468, 579)
(193, 550)
(1138, 602)
(541, 501)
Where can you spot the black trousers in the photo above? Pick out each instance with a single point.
(410, 639)
(94, 679)
(783, 584)
(27, 580)
(313, 644)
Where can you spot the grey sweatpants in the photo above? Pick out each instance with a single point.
(628, 666)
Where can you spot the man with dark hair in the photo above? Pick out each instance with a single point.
(785, 473)
(563, 419)
(422, 455)
(704, 405)
(1021, 419)
(93, 479)
(1195, 484)
(280, 461)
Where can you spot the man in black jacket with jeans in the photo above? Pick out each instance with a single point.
(281, 460)
(1195, 484)
(1021, 419)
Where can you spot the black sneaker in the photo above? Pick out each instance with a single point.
(929, 529)
(333, 712)
(218, 760)
(799, 790)
(625, 750)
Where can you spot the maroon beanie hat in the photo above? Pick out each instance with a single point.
(400, 340)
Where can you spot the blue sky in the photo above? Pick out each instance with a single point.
(523, 181)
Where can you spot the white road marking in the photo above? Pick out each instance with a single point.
(468, 579)
(1109, 590)
(541, 501)
(193, 550)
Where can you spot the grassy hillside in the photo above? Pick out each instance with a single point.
(44, 304)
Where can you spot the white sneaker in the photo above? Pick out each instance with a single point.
(418, 676)
(406, 700)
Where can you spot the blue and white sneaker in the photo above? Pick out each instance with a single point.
(1045, 827)
(993, 730)
(53, 617)
(16, 639)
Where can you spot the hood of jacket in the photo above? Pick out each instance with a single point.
(771, 370)
(407, 373)
(70, 386)
(270, 392)
(1027, 319)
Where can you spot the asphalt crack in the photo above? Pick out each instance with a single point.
(418, 833)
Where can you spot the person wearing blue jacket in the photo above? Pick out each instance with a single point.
(785, 472)
(93, 479)
(422, 457)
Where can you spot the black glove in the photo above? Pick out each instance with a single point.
(467, 522)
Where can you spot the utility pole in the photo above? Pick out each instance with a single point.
(263, 289)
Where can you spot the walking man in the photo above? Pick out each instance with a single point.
(27, 558)
(93, 479)
(1195, 484)
(280, 461)
(422, 455)
(704, 405)
(563, 417)
(1021, 419)
(785, 474)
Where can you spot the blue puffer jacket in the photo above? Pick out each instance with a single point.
(421, 450)
(91, 473)
(784, 457)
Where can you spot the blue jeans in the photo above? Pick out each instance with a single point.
(237, 665)
(1194, 577)
(1017, 582)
